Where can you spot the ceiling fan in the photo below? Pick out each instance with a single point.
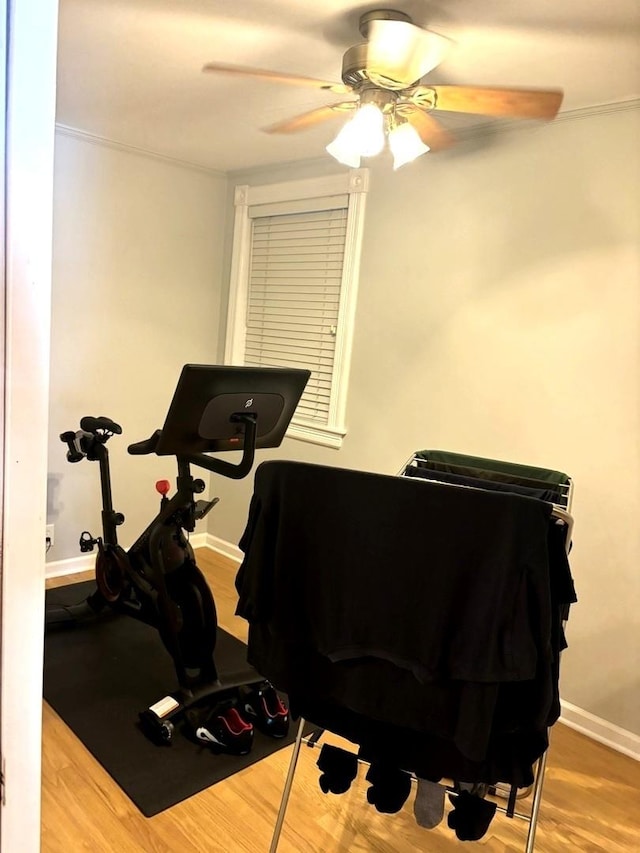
(385, 73)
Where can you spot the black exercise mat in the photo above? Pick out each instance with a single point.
(98, 676)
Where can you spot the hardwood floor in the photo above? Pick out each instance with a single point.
(591, 799)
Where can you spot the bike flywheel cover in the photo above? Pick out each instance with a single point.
(111, 572)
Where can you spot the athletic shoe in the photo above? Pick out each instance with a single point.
(224, 729)
(262, 705)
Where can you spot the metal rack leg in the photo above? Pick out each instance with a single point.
(287, 789)
(535, 807)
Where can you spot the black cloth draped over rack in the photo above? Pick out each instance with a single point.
(542, 483)
(436, 476)
(419, 620)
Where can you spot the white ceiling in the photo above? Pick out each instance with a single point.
(130, 70)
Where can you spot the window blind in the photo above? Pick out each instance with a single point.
(295, 276)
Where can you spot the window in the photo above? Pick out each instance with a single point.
(294, 276)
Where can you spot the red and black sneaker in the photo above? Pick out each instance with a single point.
(225, 730)
(261, 704)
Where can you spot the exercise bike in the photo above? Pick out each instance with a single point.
(156, 580)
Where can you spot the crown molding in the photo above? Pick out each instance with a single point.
(320, 165)
(74, 133)
(462, 134)
(600, 109)
(511, 126)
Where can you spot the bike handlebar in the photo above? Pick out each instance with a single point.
(211, 463)
(148, 445)
(227, 469)
(87, 442)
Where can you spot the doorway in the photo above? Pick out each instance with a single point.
(28, 35)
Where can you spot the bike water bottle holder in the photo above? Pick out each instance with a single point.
(203, 507)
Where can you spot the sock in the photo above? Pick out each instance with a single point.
(339, 769)
(428, 806)
(471, 816)
(389, 789)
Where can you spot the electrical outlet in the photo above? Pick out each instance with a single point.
(49, 537)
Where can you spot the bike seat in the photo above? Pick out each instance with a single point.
(89, 424)
(141, 448)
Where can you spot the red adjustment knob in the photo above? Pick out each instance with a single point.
(163, 487)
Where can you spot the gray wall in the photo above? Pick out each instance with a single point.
(498, 315)
(138, 245)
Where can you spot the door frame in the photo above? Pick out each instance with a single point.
(29, 107)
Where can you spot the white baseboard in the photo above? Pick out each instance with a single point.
(601, 730)
(87, 562)
(576, 718)
(72, 566)
(199, 540)
(227, 549)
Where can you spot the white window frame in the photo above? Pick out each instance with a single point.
(354, 183)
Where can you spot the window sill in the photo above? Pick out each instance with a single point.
(323, 435)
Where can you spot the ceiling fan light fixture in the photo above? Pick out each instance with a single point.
(384, 75)
(362, 136)
(343, 148)
(367, 128)
(405, 144)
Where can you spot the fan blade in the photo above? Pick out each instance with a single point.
(513, 103)
(310, 119)
(400, 53)
(431, 132)
(277, 77)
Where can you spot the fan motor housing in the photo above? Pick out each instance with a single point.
(354, 70)
(354, 65)
(381, 15)
(354, 61)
